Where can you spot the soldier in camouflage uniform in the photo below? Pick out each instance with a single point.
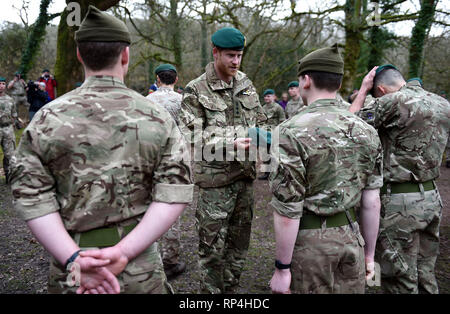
(8, 115)
(275, 115)
(326, 163)
(166, 97)
(16, 89)
(296, 102)
(413, 125)
(102, 167)
(217, 109)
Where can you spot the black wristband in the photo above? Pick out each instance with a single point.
(279, 265)
(72, 258)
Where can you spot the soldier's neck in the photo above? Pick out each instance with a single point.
(2, 94)
(116, 72)
(227, 79)
(320, 94)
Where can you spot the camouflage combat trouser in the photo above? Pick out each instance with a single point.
(143, 275)
(21, 105)
(224, 217)
(328, 260)
(8, 142)
(170, 244)
(408, 242)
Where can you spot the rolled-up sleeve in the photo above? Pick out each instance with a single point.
(172, 178)
(32, 185)
(287, 179)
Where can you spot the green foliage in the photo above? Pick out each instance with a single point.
(12, 38)
(419, 35)
(35, 38)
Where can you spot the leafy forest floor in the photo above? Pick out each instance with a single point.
(24, 263)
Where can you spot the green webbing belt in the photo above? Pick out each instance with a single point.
(103, 237)
(310, 220)
(407, 187)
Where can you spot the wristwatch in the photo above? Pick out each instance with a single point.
(280, 265)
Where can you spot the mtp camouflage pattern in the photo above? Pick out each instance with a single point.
(143, 275)
(99, 155)
(325, 157)
(413, 125)
(170, 241)
(169, 100)
(293, 106)
(328, 260)
(408, 242)
(19, 95)
(275, 114)
(224, 217)
(7, 137)
(215, 113)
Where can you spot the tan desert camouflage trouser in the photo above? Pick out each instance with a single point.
(143, 275)
(224, 218)
(328, 260)
(408, 242)
(8, 142)
(170, 244)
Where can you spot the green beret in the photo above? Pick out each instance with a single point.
(415, 79)
(324, 60)
(293, 84)
(384, 67)
(269, 92)
(165, 67)
(2, 79)
(99, 26)
(229, 38)
(17, 73)
(45, 70)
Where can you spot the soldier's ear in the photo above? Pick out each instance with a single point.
(125, 56)
(79, 57)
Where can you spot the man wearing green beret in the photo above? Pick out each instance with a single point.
(295, 103)
(17, 90)
(275, 115)
(415, 81)
(413, 125)
(8, 116)
(326, 162)
(102, 170)
(217, 109)
(166, 97)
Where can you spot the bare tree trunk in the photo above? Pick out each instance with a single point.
(352, 43)
(175, 31)
(68, 70)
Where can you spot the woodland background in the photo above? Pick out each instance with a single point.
(278, 33)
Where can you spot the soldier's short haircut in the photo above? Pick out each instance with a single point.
(98, 55)
(167, 77)
(328, 81)
(388, 77)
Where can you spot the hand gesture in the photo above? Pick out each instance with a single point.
(117, 259)
(95, 277)
(367, 82)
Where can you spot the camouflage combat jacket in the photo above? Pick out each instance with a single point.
(99, 155)
(413, 126)
(169, 99)
(322, 159)
(7, 110)
(213, 114)
(293, 106)
(275, 114)
(18, 88)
